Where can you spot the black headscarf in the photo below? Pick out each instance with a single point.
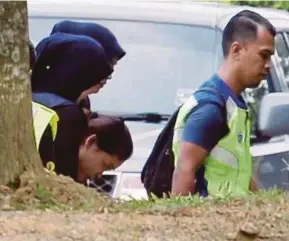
(96, 31)
(68, 64)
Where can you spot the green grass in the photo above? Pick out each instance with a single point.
(42, 198)
(164, 205)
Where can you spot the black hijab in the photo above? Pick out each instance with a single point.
(68, 64)
(96, 31)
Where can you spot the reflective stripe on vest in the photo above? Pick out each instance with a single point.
(228, 168)
(42, 117)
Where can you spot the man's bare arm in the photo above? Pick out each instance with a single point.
(203, 129)
(191, 158)
(254, 187)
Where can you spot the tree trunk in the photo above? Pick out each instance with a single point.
(18, 149)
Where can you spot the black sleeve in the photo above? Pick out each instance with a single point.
(72, 127)
(46, 148)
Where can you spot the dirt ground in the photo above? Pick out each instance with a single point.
(221, 222)
(260, 218)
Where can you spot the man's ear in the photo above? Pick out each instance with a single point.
(90, 140)
(236, 50)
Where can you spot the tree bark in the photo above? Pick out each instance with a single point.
(18, 149)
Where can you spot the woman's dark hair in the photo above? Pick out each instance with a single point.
(113, 136)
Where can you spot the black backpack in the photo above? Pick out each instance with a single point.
(158, 170)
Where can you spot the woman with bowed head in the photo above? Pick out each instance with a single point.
(66, 66)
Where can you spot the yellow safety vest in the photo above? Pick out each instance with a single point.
(42, 117)
(228, 167)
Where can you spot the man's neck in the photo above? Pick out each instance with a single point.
(226, 73)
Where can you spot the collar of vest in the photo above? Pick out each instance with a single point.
(50, 100)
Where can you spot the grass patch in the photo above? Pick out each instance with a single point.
(61, 193)
(172, 205)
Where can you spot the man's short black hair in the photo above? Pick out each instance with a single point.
(243, 26)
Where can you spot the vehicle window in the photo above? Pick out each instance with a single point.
(253, 98)
(282, 58)
(164, 63)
